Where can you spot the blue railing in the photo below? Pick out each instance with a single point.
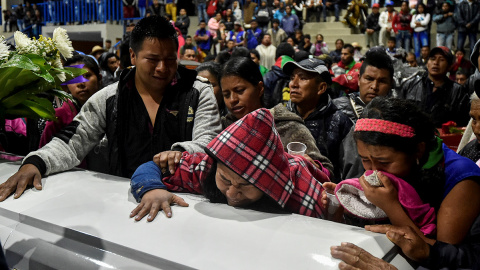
(82, 11)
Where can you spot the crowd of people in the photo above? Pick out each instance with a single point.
(27, 18)
(223, 129)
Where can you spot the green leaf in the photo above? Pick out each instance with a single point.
(42, 107)
(7, 74)
(27, 92)
(20, 61)
(21, 111)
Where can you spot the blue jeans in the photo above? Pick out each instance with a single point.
(336, 7)
(404, 39)
(420, 39)
(462, 37)
(202, 13)
(445, 40)
(100, 12)
(142, 11)
(20, 25)
(51, 11)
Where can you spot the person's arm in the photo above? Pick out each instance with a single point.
(66, 150)
(459, 16)
(394, 23)
(382, 20)
(207, 119)
(386, 198)
(426, 21)
(148, 186)
(413, 22)
(436, 256)
(438, 18)
(325, 48)
(458, 211)
(148, 176)
(72, 144)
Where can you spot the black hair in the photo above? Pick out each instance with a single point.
(212, 67)
(275, 21)
(307, 36)
(87, 60)
(284, 49)
(241, 52)
(392, 39)
(244, 68)
(222, 57)
(460, 50)
(108, 40)
(411, 54)
(103, 60)
(377, 57)
(209, 58)
(349, 47)
(150, 28)
(301, 55)
(339, 40)
(188, 36)
(427, 182)
(187, 46)
(256, 53)
(424, 7)
(461, 71)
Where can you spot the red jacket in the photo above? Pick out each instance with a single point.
(401, 21)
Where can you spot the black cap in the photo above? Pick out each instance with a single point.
(311, 65)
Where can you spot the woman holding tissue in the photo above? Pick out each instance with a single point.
(398, 140)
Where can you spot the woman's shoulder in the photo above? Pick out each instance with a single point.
(458, 168)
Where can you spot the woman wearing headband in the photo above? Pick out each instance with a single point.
(395, 137)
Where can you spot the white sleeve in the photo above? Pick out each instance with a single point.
(207, 119)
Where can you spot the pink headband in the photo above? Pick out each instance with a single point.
(384, 126)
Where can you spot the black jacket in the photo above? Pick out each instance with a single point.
(465, 14)
(271, 96)
(183, 22)
(372, 22)
(120, 109)
(328, 126)
(474, 79)
(346, 105)
(449, 103)
(465, 255)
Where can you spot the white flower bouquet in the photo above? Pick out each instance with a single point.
(31, 75)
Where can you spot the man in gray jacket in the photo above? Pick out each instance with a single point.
(156, 107)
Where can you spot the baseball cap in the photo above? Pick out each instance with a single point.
(311, 65)
(389, 3)
(444, 51)
(238, 23)
(376, 5)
